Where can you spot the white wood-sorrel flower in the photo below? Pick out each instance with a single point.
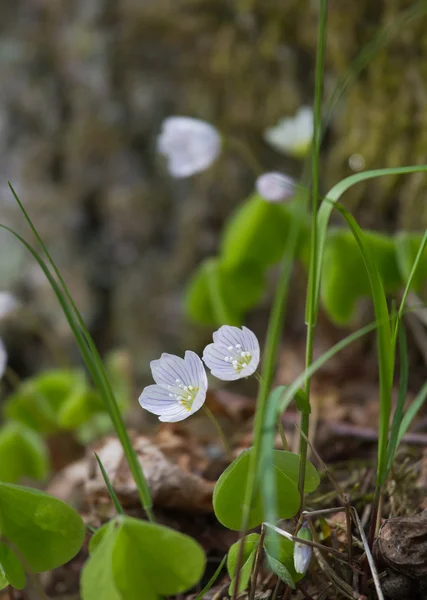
(292, 135)
(234, 353)
(190, 145)
(275, 187)
(180, 389)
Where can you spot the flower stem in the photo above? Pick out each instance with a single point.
(219, 431)
(312, 301)
(257, 563)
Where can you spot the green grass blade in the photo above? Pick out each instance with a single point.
(398, 413)
(409, 282)
(412, 412)
(94, 364)
(110, 488)
(335, 194)
(384, 338)
(212, 580)
(299, 382)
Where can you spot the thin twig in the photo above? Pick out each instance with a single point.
(369, 556)
(276, 589)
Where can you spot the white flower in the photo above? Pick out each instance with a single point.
(275, 187)
(180, 389)
(189, 145)
(3, 359)
(8, 304)
(292, 135)
(302, 552)
(234, 353)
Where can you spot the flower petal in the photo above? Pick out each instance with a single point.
(156, 399)
(196, 369)
(228, 335)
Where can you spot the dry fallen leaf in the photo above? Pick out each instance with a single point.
(170, 485)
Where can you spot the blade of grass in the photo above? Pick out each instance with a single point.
(299, 382)
(212, 580)
(398, 413)
(384, 338)
(335, 194)
(409, 283)
(110, 488)
(92, 359)
(412, 412)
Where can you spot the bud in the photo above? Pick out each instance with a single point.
(302, 552)
(275, 187)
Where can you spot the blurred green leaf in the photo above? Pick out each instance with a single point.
(79, 407)
(407, 246)
(256, 234)
(335, 194)
(26, 454)
(134, 559)
(46, 531)
(11, 569)
(38, 400)
(229, 493)
(385, 344)
(239, 288)
(249, 551)
(345, 279)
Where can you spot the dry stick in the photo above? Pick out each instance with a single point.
(257, 563)
(369, 555)
(276, 589)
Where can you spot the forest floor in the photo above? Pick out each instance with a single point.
(182, 462)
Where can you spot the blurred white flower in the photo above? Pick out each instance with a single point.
(3, 359)
(180, 389)
(292, 135)
(275, 187)
(8, 304)
(234, 353)
(189, 145)
(302, 552)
